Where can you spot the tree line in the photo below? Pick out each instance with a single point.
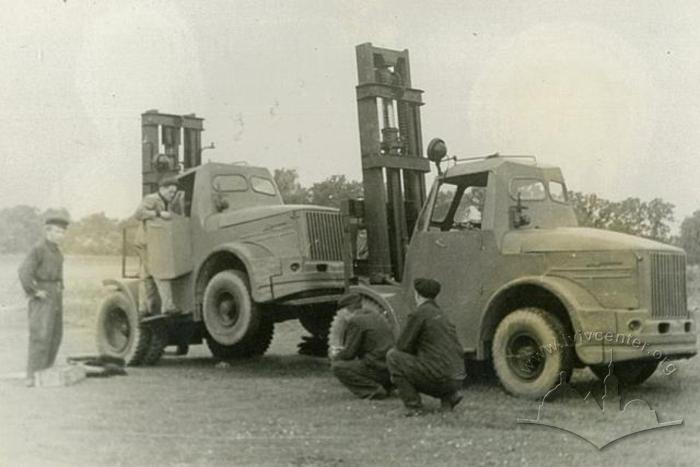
(97, 234)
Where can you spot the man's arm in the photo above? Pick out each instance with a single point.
(409, 335)
(147, 210)
(352, 343)
(27, 270)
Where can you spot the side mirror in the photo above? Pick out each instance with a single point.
(220, 203)
(518, 218)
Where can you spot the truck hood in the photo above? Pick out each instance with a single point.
(577, 239)
(253, 213)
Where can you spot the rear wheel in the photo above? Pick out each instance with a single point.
(236, 326)
(317, 321)
(628, 373)
(158, 341)
(530, 352)
(119, 333)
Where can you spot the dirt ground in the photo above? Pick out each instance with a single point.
(286, 409)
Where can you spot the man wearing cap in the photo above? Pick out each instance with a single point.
(41, 276)
(428, 357)
(154, 206)
(360, 364)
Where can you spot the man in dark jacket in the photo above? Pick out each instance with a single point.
(360, 364)
(428, 357)
(41, 276)
(157, 205)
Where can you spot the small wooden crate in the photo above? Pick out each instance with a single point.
(59, 376)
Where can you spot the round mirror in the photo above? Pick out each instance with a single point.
(437, 150)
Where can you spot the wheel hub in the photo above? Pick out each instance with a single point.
(525, 356)
(227, 310)
(118, 330)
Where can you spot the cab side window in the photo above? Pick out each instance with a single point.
(182, 204)
(459, 203)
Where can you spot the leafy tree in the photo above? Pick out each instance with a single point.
(95, 234)
(689, 238)
(20, 228)
(632, 216)
(291, 190)
(331, 191)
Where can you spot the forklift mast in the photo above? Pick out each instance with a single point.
(161, 135)
(393, 165)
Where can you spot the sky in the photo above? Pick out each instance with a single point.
(608, 91)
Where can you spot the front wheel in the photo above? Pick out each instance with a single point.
(628, 373)
(530, 352)
(236, 326)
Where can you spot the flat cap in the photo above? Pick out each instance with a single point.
(168, 181)
(57, 218)
(427, 288)
(351, 298)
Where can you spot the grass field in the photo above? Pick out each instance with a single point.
(286, 409)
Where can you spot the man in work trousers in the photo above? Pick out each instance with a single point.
(428, 356)
(154, 206)
(41, 276)
(360, 364)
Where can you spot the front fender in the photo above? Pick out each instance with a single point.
(129, 288)
(259, 263)
(574, 298)
(582, 309)
(390, 298)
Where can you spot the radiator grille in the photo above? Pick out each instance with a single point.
(325, 236)
(668, 294)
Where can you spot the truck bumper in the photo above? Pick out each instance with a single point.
(307, 287)
(610, 336)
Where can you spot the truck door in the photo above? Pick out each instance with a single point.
(449, 247)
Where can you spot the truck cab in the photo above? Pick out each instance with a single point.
(238, 260)
(530, 290)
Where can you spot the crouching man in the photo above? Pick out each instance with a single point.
(428, 357)
(360, 363)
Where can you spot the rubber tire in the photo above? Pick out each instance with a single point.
(628, 373)
(253, 345)
(250, 335)
(317, 320)
(138, 338)
(547, 330)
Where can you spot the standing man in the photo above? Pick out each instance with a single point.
(360, 364)
(41, 276)
(428, 356)
(154, 206)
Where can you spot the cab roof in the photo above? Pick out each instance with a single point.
(494, 163)
(221, 168)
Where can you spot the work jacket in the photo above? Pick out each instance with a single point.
(432, 338)
(150, 208)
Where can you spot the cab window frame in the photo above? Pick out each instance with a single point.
(461, 184)
(236, 190)
(267, 180)
(513, 194)
(564, 191)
